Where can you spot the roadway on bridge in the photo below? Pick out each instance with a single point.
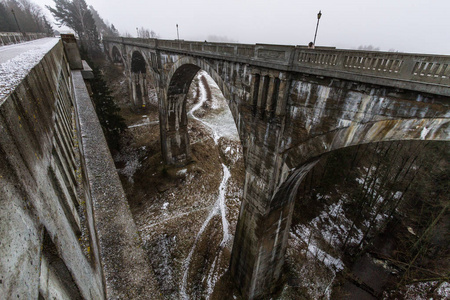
(10, 51)
(17, 60)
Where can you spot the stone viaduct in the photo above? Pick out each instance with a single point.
(290, 105)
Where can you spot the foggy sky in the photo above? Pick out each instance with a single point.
(417, 26)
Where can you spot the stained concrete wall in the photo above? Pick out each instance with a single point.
(39, 189)
(126, 269)
(65, 225)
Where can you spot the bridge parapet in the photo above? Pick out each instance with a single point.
(65, 225)
(423, 69)
(419, 72)
(7, 38)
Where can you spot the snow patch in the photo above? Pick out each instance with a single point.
(424, 133)
(182, 172)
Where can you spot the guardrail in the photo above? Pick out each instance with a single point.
(413, 67)
(423, 68)
(8, 38)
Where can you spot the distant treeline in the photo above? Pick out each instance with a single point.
(29, 16)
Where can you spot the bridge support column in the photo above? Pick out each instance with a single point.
(173, 129)
(139, 89)
(262, 231)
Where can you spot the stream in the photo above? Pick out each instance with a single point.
(218, 207)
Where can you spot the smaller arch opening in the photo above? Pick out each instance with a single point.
(138, 64)
(116, 56)
(274, 100)
(264, 95)
(139, 89)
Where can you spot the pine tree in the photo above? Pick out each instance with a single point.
(102, 27)
(29, 16)
(6, 21)
(47, 26)
(114, 31)
(76, 15)
(107, 110)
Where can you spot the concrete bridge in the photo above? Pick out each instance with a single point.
(290, 105)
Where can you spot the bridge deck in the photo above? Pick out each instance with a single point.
(419, 72)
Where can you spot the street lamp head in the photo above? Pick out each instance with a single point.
(319, 15)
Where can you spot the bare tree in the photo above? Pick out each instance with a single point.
(146, 33)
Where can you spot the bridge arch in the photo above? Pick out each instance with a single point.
(430, 129)
(116, 55)
(138, 82)
(300, 160)
(173, 114)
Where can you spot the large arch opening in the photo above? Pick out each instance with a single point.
(259, 272)
(215, 146)
(139, 90)
(368, 219)
(174, 135)
(187, 212)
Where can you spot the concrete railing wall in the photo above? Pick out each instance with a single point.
(65, 226)
(41, 203)
(8, 38)
(421, 72)
(127, 272)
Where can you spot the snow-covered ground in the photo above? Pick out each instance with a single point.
(220, 127)
(187, 224)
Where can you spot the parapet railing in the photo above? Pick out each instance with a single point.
(423, 68)
(8, 38)
(414, 67)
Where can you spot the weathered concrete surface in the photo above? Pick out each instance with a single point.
(126, 269)
(290, 106)
(72, 52)
(38, 187)
(65, 225)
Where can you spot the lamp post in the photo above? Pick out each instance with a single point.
(178, 35)
(317, 26)
(137, 32)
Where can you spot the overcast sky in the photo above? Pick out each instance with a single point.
(421, 26)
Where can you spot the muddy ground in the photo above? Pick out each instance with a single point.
(175, 209)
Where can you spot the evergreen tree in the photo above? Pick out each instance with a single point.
(76, 15)
(6, 20)
(28, 15)
(47, 26)
(114, 31)
(107, 110)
